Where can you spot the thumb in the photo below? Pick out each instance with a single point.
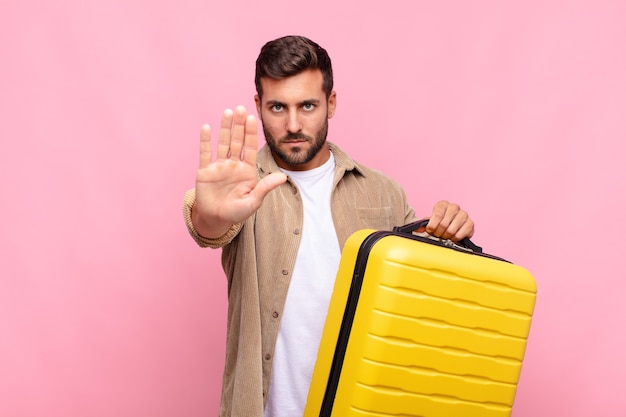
(268, 183)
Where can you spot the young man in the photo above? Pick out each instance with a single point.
(281, 217)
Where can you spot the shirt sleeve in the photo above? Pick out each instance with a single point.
(205, 242)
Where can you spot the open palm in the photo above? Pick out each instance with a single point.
(227, 189)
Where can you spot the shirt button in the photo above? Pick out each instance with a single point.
(285, 272)
(268, 356)
(296, 231)
(275, 314)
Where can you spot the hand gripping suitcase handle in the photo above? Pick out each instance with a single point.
(411, 227)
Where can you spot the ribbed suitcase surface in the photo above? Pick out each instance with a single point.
(417, 329)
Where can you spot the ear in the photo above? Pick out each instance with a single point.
(332, 104)
(257, 101)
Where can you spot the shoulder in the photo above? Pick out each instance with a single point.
(380, 180)
(367, 173)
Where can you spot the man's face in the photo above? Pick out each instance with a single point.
(294, 112)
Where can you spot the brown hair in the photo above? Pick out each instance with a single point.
(290, 55)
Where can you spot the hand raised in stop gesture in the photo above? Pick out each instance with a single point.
(227, 189)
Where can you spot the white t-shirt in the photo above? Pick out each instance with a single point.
(308, 296)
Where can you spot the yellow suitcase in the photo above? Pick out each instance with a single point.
(418, 327)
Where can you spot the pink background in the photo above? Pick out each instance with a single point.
(516, 110)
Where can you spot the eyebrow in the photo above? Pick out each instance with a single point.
(271, 103)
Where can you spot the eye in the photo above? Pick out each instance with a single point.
(276, 108)
(308, 106)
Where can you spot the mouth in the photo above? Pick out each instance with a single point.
(295, 138)
(296, 141)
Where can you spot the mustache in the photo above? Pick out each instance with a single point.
(295, 136)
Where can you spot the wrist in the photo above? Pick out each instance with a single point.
(209, 230)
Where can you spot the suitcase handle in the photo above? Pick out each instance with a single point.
(411, 227)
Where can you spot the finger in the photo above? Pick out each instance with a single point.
(466, 230)
(455, 225)
(439, 210)
(238, 132)
(448, 221)
(251, 140)
(205, 146)
(223, 144)
(439, 230)
(438, 222)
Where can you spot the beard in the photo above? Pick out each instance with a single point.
(296, 155)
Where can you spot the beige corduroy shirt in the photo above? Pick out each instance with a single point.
(258, 257)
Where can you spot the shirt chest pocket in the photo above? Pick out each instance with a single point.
(379, 218)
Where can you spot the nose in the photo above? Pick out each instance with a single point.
(293, 122)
